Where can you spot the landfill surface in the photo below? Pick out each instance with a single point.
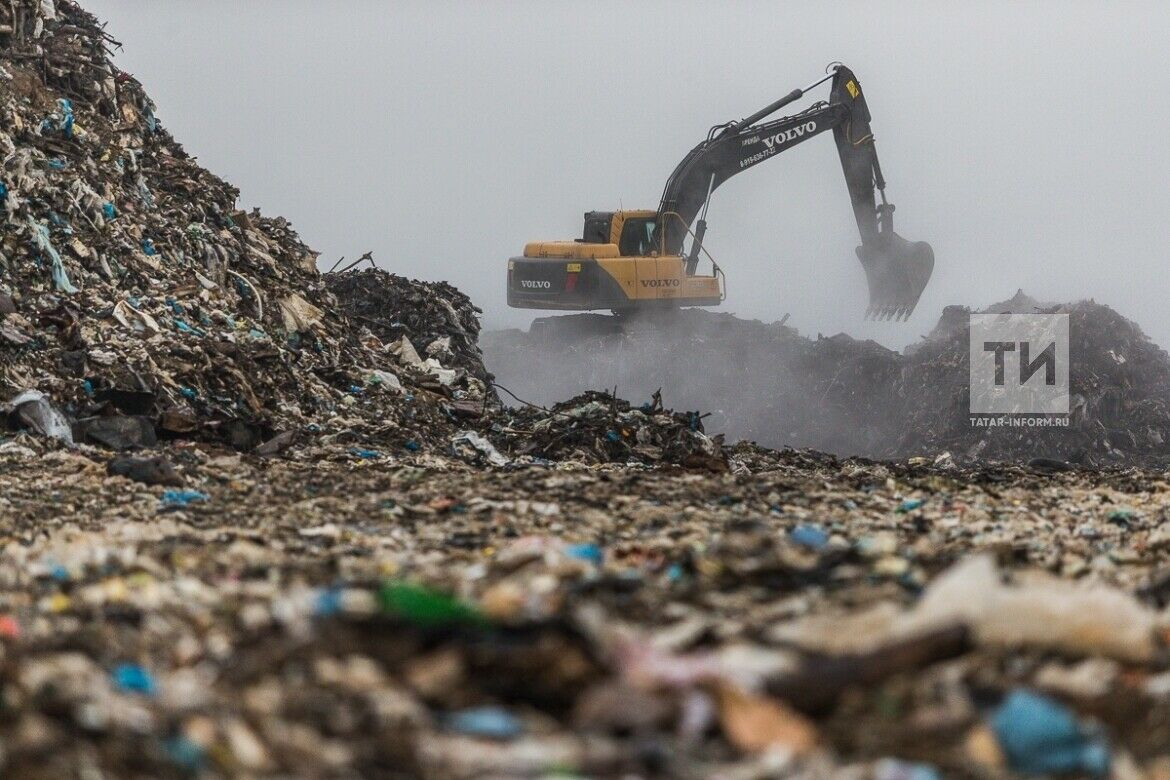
(325, 614)
(257, 521)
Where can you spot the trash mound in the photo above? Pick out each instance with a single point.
(767, 383)
(137, 303)
(130, 284)
(1119, 394)
(433, 314)
(599, 428)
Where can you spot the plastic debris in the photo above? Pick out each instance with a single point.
(1040, 736)
(182, 498)
(135, 679)
(1045, 612)
(893, 769)
(589, 552)
(35, 410)
(423, 606)
(489, 722)
(9, 627)
(481, 445)
(809, 536)
(754, 723)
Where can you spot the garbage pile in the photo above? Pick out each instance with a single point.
(131, 285)
(138, 305)
(434, 314)
(1119, 391)
(339, 559)
(767, 383)
(596, 427)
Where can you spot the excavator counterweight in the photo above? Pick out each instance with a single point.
(629, 261)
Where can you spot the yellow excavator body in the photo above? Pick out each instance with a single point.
(581, 275)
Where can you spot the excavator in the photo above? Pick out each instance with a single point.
(634, 261)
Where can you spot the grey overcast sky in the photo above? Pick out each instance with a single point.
(1024, 140)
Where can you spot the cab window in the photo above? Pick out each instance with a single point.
(637, 239)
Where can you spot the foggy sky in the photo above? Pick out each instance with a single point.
(1025, 141)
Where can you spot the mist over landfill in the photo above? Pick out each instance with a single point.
(266, 512)
(769, 384)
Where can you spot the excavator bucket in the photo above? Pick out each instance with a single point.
(897, 271)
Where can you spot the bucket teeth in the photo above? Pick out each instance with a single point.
(899, 312)
(896, 271)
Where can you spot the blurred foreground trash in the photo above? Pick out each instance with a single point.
(1039, 736)
(151, 471)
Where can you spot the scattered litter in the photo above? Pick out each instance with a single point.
(489, 722)
(479, 444)
(182, 498)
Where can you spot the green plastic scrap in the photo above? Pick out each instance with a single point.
(41, 239)
(425, 607)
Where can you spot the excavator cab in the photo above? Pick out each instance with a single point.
(631, 231)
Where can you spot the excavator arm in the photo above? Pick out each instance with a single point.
(896, 270)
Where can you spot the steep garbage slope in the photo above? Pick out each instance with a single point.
(139, 303)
